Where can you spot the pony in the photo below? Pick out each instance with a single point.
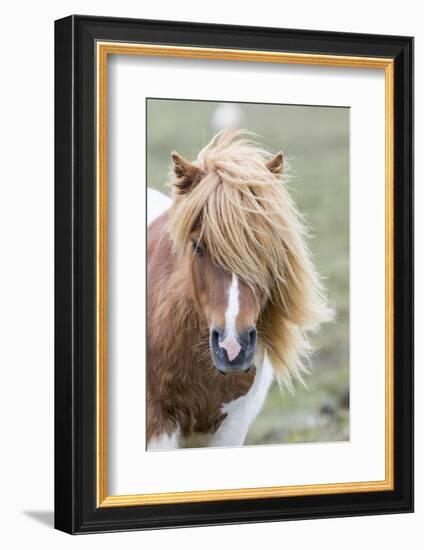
(232, 294)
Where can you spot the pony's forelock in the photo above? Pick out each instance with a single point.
(251, 227)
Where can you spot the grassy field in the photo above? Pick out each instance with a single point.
(315, 141)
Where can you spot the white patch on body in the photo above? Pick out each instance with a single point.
(240, 414)
(157, 204)
(242, 411)
(230, 343)
(164, 442)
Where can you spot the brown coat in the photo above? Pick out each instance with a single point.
(184, 390)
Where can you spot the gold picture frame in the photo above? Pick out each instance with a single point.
(106, 49)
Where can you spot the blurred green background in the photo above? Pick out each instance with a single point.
(315, 141)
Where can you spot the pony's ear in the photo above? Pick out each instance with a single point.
(276, 164)
(187, 174)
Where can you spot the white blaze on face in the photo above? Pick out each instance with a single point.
(230, 343)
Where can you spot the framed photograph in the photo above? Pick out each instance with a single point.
(234, 274)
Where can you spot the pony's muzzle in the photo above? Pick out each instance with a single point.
(233, 353)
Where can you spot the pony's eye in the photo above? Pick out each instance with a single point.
(197, 249)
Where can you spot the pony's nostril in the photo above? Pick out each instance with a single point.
(252, 336)
(215, 336)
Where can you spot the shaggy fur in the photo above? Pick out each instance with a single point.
(237, 200)
(185, 393)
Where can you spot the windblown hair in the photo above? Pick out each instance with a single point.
(251, 227)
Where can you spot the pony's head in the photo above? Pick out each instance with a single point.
(230, 307)
(249, 272)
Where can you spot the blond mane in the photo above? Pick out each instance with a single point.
(251, 227)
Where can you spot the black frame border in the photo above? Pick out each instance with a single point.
(75, 274)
